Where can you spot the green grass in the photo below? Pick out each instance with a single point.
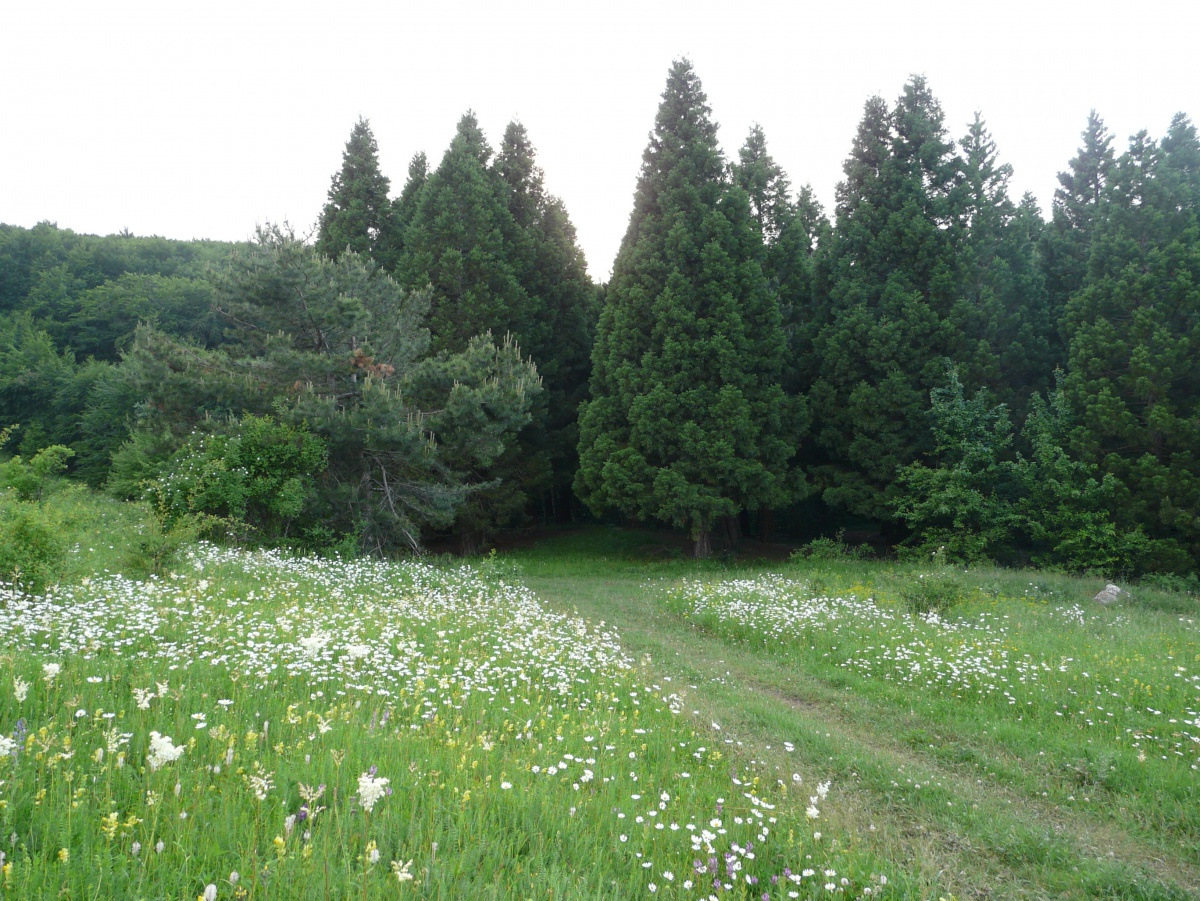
(503, 703)
(526, 754)
(1010, 804)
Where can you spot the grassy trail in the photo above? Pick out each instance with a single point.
(959, 813)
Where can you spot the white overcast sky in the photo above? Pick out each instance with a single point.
(203, 119)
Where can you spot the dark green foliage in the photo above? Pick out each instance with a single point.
(974, 499)
(255, 471)
(500, 255)
(895, 307)
(340, 346)
(1067, 504)
(1007, 310)
(1134, 337)
(456, 244)
(965, 505)
(791, 233)
(687, 423)
(552, 270)
(56, 264)
(358, 216)
(766, 185)
(1067, 242)
(104, 318)
(390, 248)
(480, 403)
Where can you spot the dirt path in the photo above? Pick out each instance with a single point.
(938, 809)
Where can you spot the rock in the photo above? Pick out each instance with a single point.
(1109, 595)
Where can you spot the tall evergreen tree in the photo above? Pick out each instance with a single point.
(358, 216)
(1134, 338)
(765, 183)
(404, 210)
(552, 270)
(456, 242)
(895, 307)
(688, 423)
(1007, 305)
(1067, 242)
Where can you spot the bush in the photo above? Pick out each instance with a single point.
(933, 593)
(31, 552)
(30, 480)
(259, 472)
(830, 550)
(1189, 584)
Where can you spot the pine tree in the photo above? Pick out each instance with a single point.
(895, 306)
(688, 423)
(358, 216)
(1134, 338)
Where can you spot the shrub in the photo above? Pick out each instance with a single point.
(830, 550)
(31, 479)
(933, 593)
(260, 472)
(31, 551)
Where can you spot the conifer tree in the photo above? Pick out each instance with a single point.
(358, 216)
(688, 423)
(1007, 309)
(552, 270)
(1068, 238)
(456, 242)
(404, 210)
(765, 183)
(1134, 338)
(895, 306)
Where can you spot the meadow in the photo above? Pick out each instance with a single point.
(593, 716)
(252, 725)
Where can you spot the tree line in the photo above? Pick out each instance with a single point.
(932, 362)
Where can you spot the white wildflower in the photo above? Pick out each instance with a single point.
(370, 790)
(162, 750)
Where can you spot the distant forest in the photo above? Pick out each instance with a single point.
(933, 365)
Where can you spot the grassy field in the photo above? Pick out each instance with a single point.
(254, 726)
(1024, 742)
(593, 716)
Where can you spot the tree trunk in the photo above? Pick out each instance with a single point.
(470, 542)
(702, 547)
(766, 524)
(729, 532)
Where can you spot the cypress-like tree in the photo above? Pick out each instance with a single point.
(1067, 242)
(1007, 307)
(456, 242)
(358, 216)
(766, 184)
(1134, 338)
(404, 210)
(551, 268)
(895, 302)
(688, 423)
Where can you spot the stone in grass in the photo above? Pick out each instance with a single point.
(1109, 595)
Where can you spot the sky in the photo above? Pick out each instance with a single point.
(206, 119)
